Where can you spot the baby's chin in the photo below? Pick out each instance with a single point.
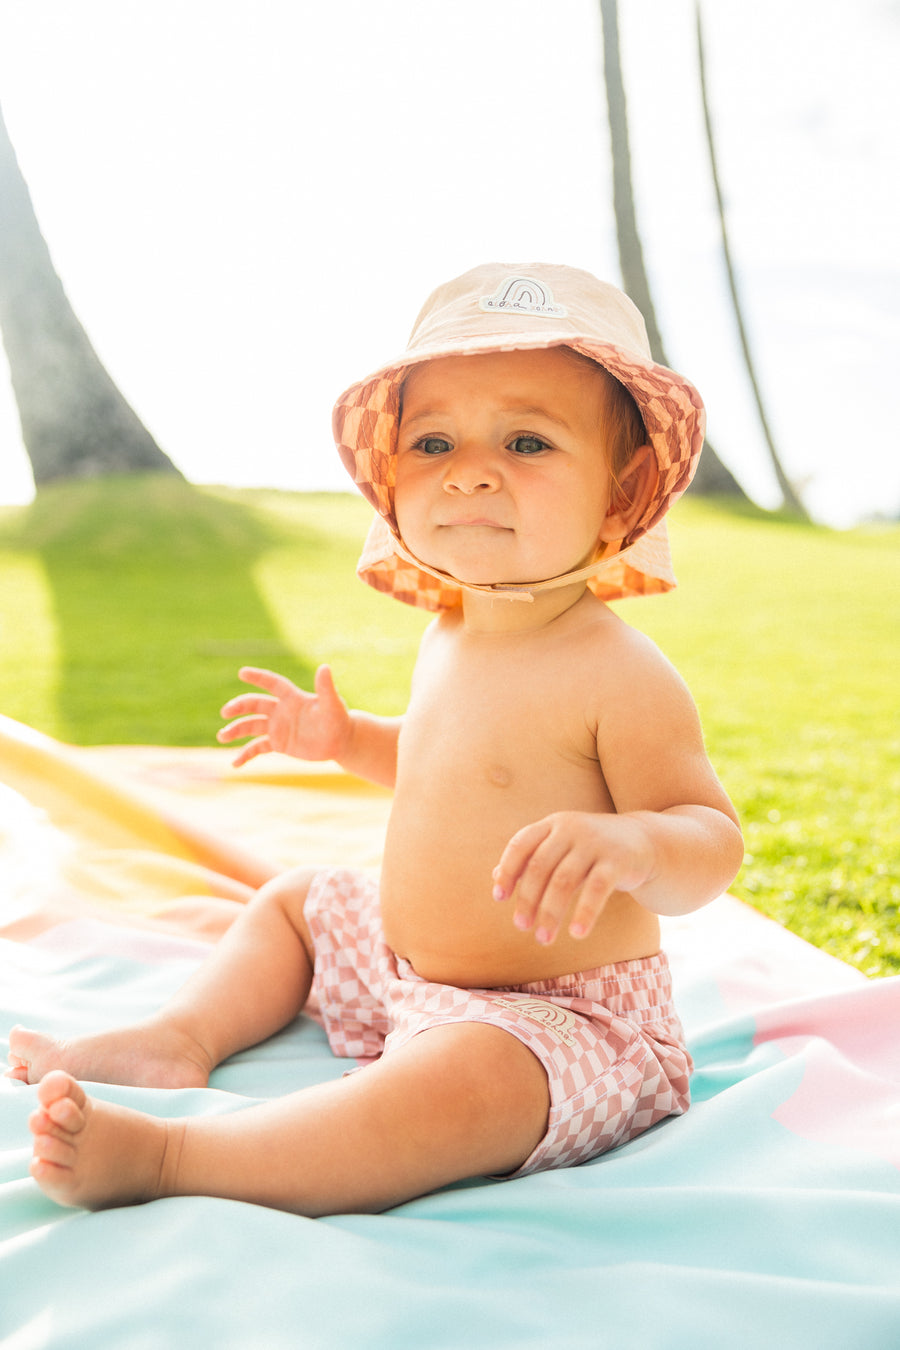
(483, 572)
(481, 576)
(481, 580)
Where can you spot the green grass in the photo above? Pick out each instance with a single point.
(126, 607)
(788, 637)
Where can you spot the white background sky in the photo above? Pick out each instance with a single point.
(248, 200)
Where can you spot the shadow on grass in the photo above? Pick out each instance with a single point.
(155, 605)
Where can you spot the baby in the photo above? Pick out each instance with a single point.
(502, 982)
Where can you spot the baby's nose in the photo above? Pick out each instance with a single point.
(472, 469)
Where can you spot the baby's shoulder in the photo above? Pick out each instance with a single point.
(602, 628)
(624, 659)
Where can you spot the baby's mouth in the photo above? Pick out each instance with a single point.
(474, 522)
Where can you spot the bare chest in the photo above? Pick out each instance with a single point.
(513, 728)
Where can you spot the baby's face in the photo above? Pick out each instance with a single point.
(501, 475)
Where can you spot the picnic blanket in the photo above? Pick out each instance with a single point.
(768, 1215)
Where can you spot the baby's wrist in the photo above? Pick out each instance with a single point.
(348, 749)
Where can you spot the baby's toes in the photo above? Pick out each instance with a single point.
(60, 1110)
(59, 1087)
(52, 1149)
(18, 1069)
(42, 1126)
(67, 1114)
(23, 1046)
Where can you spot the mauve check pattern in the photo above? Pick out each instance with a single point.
(610, 1040)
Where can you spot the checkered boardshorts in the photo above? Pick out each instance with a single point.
(609, 1039)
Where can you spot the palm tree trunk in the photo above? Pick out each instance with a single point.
(789, 494)
(712, 477)
(75, 422)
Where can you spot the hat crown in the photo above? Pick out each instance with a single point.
(539, 303)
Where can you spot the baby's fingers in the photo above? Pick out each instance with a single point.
(545, 872)
(242, 726)
(273, 683)
(571, 881)
(598, 887)
(261, 746)
(323, 683)
(568, 863)
(516, 857)
(243, 704)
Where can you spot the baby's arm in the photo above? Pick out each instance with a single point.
(313, 726)
(673, 842)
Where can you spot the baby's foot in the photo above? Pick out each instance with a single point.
(96, 1155)
(146, 1055)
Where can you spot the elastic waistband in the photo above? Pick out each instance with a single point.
(640, 986)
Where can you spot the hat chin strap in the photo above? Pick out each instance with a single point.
(513, 590)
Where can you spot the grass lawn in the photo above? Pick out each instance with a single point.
(126, 607)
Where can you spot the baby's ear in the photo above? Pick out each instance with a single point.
(630, 496)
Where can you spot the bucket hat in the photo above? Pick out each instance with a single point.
(502, 307)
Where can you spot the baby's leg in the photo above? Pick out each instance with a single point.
(456, 1101)
(254, 982)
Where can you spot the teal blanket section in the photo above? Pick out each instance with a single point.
(722, 1228)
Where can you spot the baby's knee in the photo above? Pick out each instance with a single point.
(287, 893)
(494, 1076)
(290, 887)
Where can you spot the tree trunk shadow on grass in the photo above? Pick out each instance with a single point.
(154, 604)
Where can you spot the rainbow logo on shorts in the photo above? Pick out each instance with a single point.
(554, 1019)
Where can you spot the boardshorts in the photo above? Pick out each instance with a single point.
(609, 1039)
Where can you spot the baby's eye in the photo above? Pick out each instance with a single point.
(433, 445)
(528, 445)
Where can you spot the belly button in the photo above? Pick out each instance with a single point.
(499, 776)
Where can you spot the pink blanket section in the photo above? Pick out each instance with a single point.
(851, 1053)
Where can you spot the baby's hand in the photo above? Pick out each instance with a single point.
(571, 858)
(308, 726)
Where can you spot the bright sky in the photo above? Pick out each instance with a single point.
(248, 200)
